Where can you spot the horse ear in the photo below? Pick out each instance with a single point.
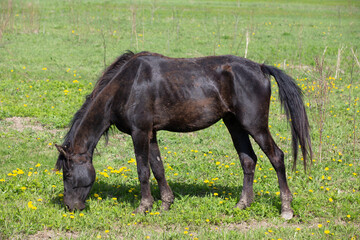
(61, 150)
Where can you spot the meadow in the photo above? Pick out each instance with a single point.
(53, 52)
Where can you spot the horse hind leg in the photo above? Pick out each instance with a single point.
(141, 142)
(273, 152)
(247, 157)
(157, 167)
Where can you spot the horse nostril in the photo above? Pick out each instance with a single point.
(76, 206)
(80, 205)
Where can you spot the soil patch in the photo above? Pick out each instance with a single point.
(22, 123)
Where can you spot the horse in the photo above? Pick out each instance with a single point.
(146, 92)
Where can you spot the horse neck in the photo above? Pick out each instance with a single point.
(95, 122)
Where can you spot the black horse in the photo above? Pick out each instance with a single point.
(146, 92)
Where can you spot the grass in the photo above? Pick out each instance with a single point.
(51, 54)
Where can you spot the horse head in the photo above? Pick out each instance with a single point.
(78, 176)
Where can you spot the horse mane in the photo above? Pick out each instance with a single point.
(104, 80)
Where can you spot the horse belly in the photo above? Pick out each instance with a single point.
(189, 115)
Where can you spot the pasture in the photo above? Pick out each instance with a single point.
(53, 52)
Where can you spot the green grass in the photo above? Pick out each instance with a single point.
(51, 54)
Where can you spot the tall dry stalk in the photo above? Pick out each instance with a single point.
(247, 43)
(321, 98)
(338, 62)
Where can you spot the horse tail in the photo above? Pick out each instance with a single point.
(291, 100)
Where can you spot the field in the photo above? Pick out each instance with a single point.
(53, 52)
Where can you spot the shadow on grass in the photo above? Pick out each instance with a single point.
(130, 193)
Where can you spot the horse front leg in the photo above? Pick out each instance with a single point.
(157, 167)
(141, 140)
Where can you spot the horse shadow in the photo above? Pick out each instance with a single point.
(130, 193)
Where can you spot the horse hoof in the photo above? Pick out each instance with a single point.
(242, 204)
(165, 206)
(143, 209)
(287, 215)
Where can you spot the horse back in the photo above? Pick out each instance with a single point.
(162, 93)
